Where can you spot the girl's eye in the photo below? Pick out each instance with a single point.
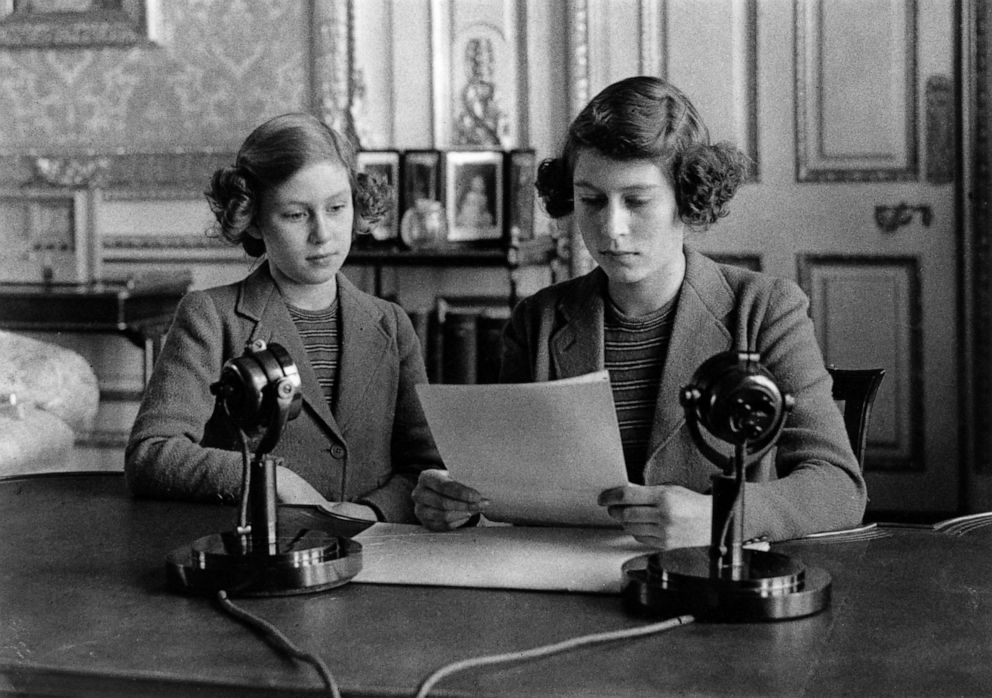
(591, 201)
(637, 202)
(336, 208)
(294, 215)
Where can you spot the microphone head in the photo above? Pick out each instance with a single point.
(260, 392)
(736, 399)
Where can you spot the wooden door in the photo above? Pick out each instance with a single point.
(847, 108)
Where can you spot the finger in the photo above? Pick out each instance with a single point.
(629, 495)
(438, 500)
(650, 537)
(452, 489)
(630, 514)
(439, 519)
(440, 481)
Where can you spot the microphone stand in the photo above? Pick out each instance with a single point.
(260, 392)
(738, 401)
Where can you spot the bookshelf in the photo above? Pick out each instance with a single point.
(460, 335)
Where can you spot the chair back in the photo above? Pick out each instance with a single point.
(856, 388)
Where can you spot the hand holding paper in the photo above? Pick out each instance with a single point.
(541, 453)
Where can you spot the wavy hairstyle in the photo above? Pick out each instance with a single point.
(270, 155)
(647, 118)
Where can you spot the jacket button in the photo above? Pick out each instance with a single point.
(337, 451)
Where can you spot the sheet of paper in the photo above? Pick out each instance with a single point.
(540, 452)
(498, 557)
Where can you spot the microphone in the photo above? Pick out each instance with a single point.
(738, 401)
(260, 392)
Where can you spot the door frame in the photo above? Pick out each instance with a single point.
(975, 195)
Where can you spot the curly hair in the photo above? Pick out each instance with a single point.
(647, 118)
(272, 154)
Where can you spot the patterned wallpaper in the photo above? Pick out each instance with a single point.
(221, 68)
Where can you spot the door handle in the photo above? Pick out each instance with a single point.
(891, 218)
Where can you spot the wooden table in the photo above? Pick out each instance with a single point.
(140, 309)
(85, 611)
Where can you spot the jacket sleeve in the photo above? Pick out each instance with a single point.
(413, 448)
(164, 457)
(819, 485)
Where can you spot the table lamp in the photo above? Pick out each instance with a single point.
(737, 401)
(259, 392)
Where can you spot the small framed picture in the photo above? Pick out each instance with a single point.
(474, 195)
(385, 164)
(520, 177)
(421, 177)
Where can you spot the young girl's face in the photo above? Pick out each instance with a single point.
(628, 217)
(306, 223)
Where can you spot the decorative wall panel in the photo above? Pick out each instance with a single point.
(856, 113)
(222, 68)
(887, 329)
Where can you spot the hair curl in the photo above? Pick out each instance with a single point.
(647, 118)
(271, 154)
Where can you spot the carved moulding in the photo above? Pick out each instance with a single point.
(123, 23)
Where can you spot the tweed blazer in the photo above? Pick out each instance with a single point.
(371, 449)
(812, 483)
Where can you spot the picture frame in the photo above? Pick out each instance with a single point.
(421, 177)
(474, 186)
(521, 174)
(74, 23)
(385, 164)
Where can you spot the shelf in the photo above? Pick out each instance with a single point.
(532, 252)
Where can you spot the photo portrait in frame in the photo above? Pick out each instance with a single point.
(474, 193)
(421, 177)
(384, 164)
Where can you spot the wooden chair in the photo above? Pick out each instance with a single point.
(856, 388)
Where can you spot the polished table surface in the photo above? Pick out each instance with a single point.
(84, 610)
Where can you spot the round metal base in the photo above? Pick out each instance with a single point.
(308, 562)
(771, 586)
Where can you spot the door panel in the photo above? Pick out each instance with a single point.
(829, 97)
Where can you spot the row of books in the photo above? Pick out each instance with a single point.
(461, 339)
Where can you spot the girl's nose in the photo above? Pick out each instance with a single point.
(320, 229)
(617, 222)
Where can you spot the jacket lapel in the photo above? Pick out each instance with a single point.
(699, 332)
(261, 304)
(577, 342)
(364, 344)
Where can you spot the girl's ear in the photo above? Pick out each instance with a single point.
(253, 231)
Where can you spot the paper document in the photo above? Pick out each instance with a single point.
(498, 557)
(540, 452)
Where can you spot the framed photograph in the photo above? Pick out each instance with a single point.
(474, 195)
(54, 23)
(384, 164)
(421, 177)
(522, 171)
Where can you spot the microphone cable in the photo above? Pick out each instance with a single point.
(546, 650)
(279, 640)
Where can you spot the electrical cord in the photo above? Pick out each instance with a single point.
(281, 642)
(546, 650)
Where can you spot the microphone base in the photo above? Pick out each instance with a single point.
(309, 562)
(768, 586)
